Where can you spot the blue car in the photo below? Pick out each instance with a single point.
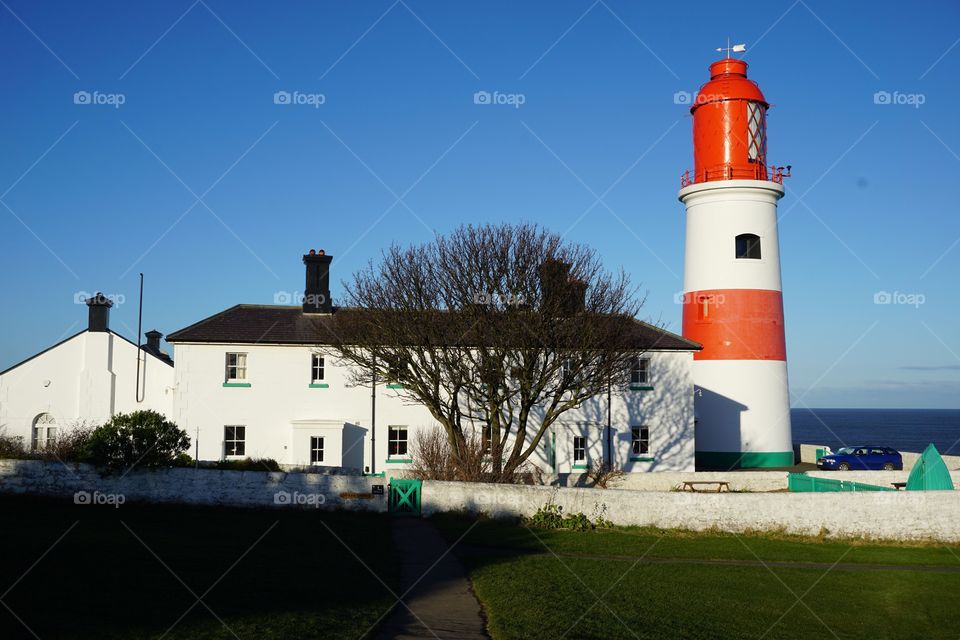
(862, 459)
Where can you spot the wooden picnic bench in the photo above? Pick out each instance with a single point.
(899, 485)
(720, 486)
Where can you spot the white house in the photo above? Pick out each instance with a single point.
(258, 381)
(88, 377)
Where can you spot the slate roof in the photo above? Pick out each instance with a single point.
(275, 324)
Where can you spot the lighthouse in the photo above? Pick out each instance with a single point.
(733, 301)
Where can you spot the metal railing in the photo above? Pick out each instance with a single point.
(772, 173)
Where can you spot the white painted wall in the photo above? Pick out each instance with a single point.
(717, 212)
(888, 515)
(89, 377)
(742, 405)
(192, 486)
(279, 407)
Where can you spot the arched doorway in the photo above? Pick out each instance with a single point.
(44, 431)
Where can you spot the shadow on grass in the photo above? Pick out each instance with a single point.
(548, 584)
(265, 573)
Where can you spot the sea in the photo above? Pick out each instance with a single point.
(902, 429)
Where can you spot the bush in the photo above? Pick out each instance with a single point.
(433, 458)
(140, 438)
(12, 447)
(184, 460)
(601, 473)
(249, 464)
(550, 516)
(69, 445)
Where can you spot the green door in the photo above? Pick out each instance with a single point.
(404, 497)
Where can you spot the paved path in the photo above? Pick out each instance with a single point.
(440, 597)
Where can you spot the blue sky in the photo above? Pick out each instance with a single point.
(202, 182)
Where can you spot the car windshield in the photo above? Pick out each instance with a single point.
(845, 451)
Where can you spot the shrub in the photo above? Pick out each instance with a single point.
(601, 473)
(249, 464)
(577, 522)
(12, 447)
(69, 445)
(184, 460)
(551, 516)
(433, 459)
(140, 438)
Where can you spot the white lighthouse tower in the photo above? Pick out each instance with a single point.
(733, 304)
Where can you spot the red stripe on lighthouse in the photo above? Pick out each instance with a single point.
(735, 324)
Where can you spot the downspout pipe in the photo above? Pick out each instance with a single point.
(609, 423)
(373, 418)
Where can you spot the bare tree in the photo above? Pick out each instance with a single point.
(499, 328)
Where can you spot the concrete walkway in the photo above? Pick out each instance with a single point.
(442, 603)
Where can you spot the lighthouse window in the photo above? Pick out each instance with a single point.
(748, 246)
(756, 133)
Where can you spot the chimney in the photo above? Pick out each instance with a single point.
(316, 293)
(99, 314)
(153, 340)
(561, 292)
(153, 346)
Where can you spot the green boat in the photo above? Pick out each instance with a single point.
(930, 472)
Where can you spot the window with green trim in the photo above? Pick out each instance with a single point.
(640, 437)
(396, 441)
(316, 368)
(579, 450)
(235, 369)
(640, 371)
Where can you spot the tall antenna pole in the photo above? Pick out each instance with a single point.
(139, 345)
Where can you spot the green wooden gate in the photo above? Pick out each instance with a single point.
(404, 497)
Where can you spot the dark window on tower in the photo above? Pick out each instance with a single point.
(748, 246)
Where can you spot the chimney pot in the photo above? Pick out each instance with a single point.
(316, 293)
(98, 316)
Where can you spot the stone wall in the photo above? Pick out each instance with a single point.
(669, 481)
(886, 515)
(192, 486)
(890, 515)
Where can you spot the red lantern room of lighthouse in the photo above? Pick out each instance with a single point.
(730, 128)
(733, 303)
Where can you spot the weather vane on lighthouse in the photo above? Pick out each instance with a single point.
(737, 48)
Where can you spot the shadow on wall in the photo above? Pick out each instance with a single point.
(726, 416)
(353, 441)
(666, 410)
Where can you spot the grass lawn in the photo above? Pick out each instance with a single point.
(595, 588)
(100, 581)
